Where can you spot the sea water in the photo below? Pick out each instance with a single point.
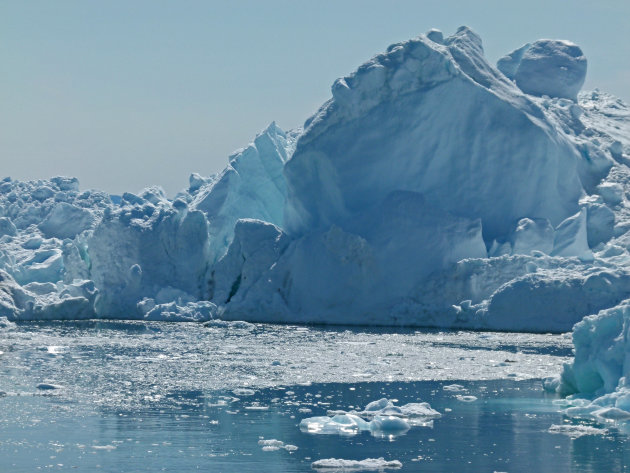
(229, 397)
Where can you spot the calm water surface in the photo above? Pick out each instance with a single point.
(134, 397)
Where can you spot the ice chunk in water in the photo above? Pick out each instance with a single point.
(369, 464)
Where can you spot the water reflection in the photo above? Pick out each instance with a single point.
(505, 429)
(150, 397)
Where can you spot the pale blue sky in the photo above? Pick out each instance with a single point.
(128, 93)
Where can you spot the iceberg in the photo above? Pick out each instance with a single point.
(576, 431)
(385, 419)
(597, 379)
(272, 445)
(433, 189)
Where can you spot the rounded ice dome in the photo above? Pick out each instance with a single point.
(556, 68)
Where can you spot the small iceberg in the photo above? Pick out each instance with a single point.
(369, 464)
(385, 419)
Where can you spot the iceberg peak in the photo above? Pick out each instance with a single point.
(435, 35)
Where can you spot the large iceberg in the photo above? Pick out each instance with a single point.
(432, 189)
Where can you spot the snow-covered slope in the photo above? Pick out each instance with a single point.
(432, 189)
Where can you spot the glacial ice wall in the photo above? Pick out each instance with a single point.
(432, 189)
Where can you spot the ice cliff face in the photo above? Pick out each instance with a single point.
(432, 189)
(597, 379)
(147, 248)
(251, 186)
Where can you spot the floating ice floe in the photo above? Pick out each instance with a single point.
(48, 386)
(107, 448)
(243, 392)
(463, 398)
(272, 445)
(341, 424)
(369, 464)
(385, 418)
(576, 431)
(453, 387)
(256, 407)
(387, 407)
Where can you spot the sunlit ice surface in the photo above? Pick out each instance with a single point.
(129, 363)
(230, 397)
